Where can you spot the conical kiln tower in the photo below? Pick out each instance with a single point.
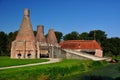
(51, 38)
(42, 46)
(24, 44)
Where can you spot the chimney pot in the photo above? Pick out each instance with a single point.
(26, 12)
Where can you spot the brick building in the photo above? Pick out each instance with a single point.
(84, 46)
(26, 45)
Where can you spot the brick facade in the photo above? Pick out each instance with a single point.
(24, 44)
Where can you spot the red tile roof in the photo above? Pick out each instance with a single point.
(80, 44)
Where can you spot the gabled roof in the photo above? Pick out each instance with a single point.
(80, 44)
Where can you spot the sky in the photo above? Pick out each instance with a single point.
(63, 15)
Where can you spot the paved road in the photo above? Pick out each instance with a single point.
(52, 60)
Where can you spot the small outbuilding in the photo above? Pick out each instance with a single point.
(83, 46)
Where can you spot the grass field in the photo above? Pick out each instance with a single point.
(67, 69)
(64, 70)
(108, 72)
(6, 61)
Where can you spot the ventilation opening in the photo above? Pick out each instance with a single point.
(89, 52)
(28, 55)
(44, 55)
(92, 53)
(19, 55)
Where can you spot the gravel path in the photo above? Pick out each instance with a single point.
(52, 60)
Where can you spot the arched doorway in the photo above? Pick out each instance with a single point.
(28, 55)
(19, 55)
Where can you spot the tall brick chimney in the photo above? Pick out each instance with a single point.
(42, 46)
(51, 38)
(24, 44)
(40, 34)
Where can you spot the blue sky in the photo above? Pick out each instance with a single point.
(63, 15)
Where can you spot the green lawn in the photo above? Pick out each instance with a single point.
(67, 69)
(64, 70)
(6, 61)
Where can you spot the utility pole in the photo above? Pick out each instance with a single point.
(94, 35)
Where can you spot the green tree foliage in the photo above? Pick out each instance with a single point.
(71, 36)
(84, 36)
(58, 35)
(35, 32)
(98, 35)
(11, 37)
(112, 46)
(3, 43)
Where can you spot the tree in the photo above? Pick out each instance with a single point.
(71, 36)
(59, 35)
(112, 46)
(11, 37)
(35, 32)
(98, 35)
(84, 36)
(3, 43)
